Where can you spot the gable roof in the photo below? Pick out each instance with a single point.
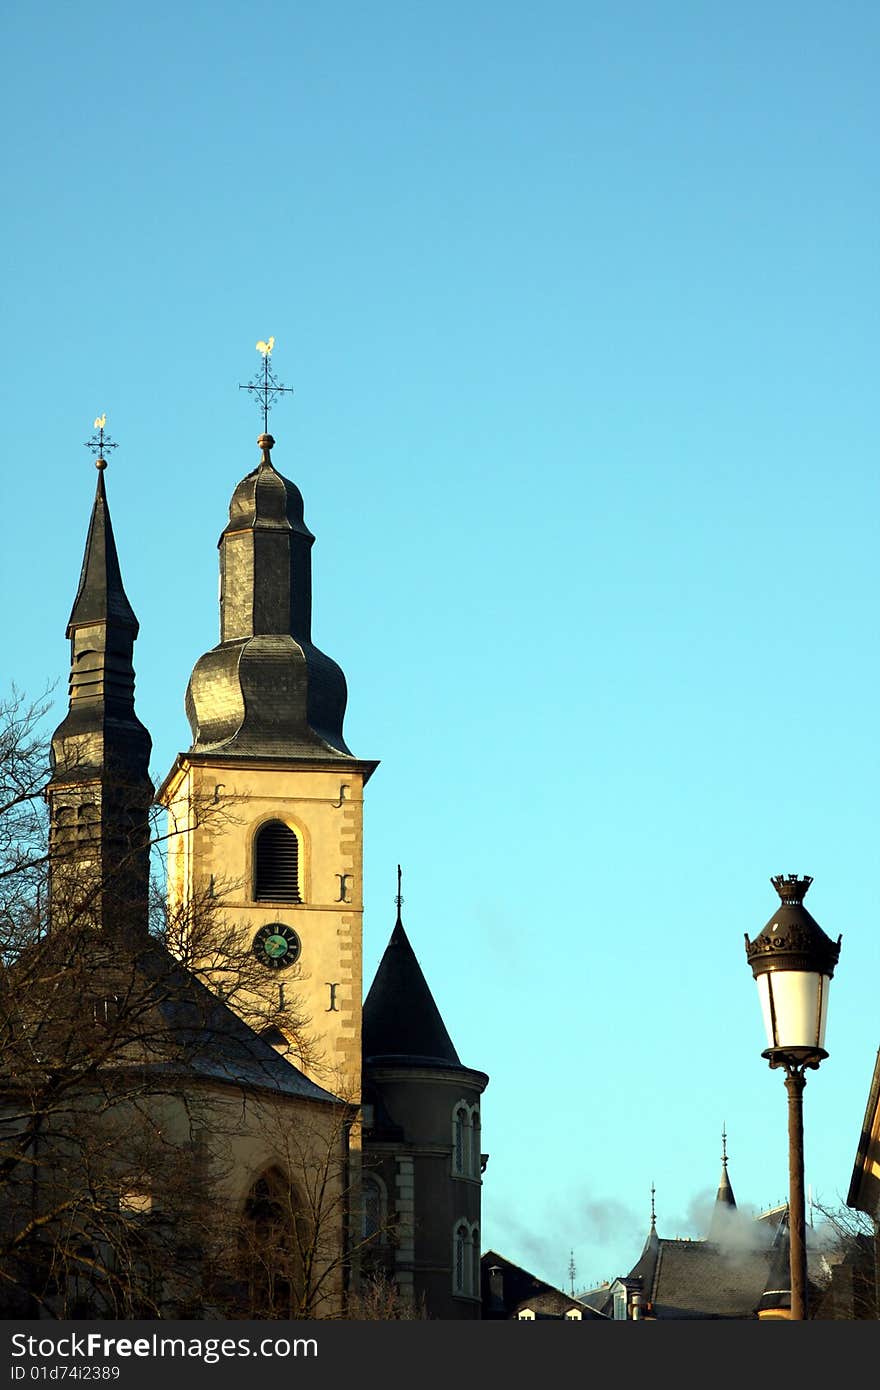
(512, 1289)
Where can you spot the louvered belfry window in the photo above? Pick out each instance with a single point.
(276, 877)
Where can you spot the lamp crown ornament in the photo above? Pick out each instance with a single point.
(790, 888)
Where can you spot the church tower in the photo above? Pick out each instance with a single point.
(266, 806)
(100, 791)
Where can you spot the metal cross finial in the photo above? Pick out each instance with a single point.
(100, 441)
(265, 386)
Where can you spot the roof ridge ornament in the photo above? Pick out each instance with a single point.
(266, 388)
(100, 441)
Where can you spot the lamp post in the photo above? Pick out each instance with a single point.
(793, 961)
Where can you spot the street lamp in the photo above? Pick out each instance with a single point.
(793, 961)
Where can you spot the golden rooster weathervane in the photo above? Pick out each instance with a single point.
(100, 441)
(265, 387)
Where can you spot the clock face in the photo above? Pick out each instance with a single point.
(276, 946)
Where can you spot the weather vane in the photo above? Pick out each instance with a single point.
(100, 441)
(266, 386)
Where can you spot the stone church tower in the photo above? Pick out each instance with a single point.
(266, 819)
(283, 854)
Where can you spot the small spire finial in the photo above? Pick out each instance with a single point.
(653, 1212)
(266, 388)
(100, 441)
(399, 895)
(724, 1143)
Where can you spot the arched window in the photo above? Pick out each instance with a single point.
(475, 1142)
(276, 864)
(271, 1239)
(466, 1141)
(373, 1207)
(459, 1139)
(466, 1259)
(460, 1262)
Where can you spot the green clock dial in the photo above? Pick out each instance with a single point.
(276, 946)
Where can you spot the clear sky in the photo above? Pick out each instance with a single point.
(580, 306)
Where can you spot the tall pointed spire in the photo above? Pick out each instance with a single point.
(100, 789)
(725, 1202)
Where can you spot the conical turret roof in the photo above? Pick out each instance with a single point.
(402, 1023)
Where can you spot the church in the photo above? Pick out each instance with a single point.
(225, 1126)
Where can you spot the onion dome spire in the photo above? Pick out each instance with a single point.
(266, 690)
(100, 790)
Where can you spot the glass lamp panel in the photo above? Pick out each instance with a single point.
(797, 1000)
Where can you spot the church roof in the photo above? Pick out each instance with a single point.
(401, 1022)
(170, 1028)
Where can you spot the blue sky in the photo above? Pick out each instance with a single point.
(579, 302)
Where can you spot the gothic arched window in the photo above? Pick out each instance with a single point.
(460, 1145)
(373, 1206)
(276, 864)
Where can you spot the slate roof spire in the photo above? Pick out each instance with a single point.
(401, 1022)
(266, 689)
(725, 1202)
(100, 790)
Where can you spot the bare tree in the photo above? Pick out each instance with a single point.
(137, 1074)
(846, 1239)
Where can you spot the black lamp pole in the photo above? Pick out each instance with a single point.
(793, 961)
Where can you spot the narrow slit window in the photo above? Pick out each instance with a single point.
(276, 872)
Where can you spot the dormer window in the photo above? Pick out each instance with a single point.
(276, 864)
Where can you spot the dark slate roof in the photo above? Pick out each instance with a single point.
(597, 1299)
(520, 1289)
(647, 1261)
(207, 1039)
(697, 1279)
(172, 1027)
(100, 595)
(401, 1022)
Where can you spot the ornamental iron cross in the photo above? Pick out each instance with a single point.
(100, 441)
(265, 386)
